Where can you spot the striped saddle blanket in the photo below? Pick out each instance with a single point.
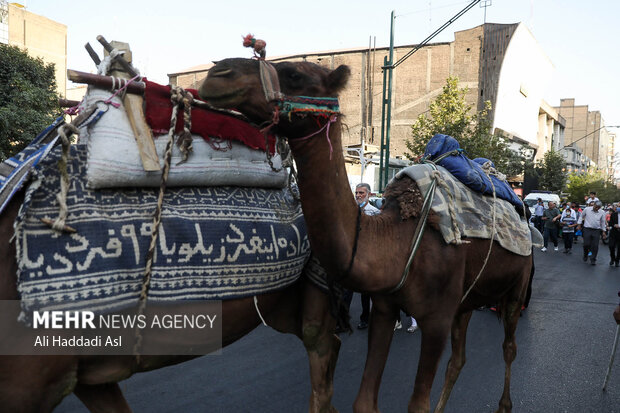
(214, 243)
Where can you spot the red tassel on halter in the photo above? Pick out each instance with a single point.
(257, 44)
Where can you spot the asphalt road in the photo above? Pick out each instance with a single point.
(564, 343)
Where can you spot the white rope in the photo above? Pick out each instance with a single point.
(59, 224)
(258, 311)
(488, 170)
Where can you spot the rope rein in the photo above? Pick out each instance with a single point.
(419, 230)
(437, 180)
(488, 170)
(179, 98)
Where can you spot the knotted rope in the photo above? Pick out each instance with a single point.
(178, 98)
(64, 133)
(185, 99)
(59, 224)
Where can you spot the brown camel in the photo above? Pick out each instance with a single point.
(369, 253)
(38, 383)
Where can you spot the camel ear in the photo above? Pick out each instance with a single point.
(337, 79)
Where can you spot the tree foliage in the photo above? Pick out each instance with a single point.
(450, 114)
(579, 186)
(28, 98)
(551, 171)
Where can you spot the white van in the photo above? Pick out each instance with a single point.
(531, 199)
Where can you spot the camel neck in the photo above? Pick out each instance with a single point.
(331, 212)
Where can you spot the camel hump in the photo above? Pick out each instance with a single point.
(472, 212)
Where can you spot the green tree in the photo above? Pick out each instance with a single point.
(28, 98)
(450, 114)
(579, 186)
(552, 171)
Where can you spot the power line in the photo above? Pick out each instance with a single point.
(585, 136)
(430, 9)
(432, 35)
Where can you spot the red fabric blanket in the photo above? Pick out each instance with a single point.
(206, 123)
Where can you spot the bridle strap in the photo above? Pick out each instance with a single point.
(332, 119)
(269, 80)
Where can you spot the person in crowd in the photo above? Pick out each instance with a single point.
(592, 223)
(591, 199)
(551, 218)
(568, 221)
(362, 195)
(539, 209)
(577, 211)
(614, 237)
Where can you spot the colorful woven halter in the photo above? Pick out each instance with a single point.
(319, 106)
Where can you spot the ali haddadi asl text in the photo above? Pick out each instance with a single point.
(77, 341)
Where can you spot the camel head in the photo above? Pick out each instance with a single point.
(307, 80)
(236, 84)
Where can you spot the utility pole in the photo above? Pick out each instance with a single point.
(386, 111)
(485, 4)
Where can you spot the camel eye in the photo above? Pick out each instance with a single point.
(294, 76)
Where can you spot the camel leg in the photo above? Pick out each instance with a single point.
(380, 333)
(102, 398)
(322, 346)
(30, 384)
(510, 318)
(435, 332)
(457, 358)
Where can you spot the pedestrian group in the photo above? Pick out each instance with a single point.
(591, 223)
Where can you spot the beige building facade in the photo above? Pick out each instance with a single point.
(586, 129)
(40, 36)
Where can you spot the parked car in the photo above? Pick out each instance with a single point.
(532, 199)
(376, 201)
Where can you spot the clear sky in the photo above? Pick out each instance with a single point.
(579, 37)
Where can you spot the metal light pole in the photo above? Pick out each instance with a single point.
(386, 111)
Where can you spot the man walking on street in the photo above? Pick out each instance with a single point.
(539, 209)
(551, 218)
(592, 222)
(362, 193)
(614, 237)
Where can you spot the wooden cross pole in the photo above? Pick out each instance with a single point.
(133, 106)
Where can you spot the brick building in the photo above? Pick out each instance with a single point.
(501, 63)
